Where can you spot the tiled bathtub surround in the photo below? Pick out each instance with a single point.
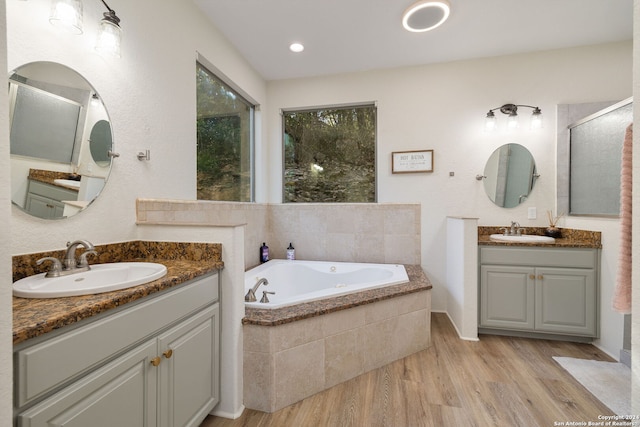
(184, 261)
(352, 232)
(288, 362)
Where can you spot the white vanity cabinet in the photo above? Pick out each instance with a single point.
(539, 290)
(153, 364)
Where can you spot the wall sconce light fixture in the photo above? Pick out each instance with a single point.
(110, 33)
(67, 14)
(511, 110)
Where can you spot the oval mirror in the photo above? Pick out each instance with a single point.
(60, 140)
(509, 175)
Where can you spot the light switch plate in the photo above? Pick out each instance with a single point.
(532, 213)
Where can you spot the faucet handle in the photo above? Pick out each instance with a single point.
(264, 298)
(83, 258)
(56, 266)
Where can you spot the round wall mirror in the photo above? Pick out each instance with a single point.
(60, 140)
(509, 175)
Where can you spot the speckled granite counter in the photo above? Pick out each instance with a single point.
(571, 238)
(418, 281)
(184, 261)
(49, 177)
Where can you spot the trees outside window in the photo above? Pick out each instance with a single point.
(330, 155)
(224, 141)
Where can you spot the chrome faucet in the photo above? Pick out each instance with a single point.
(513, 230)
(251, 293)
(70, 265)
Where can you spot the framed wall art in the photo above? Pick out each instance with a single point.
(412, 161)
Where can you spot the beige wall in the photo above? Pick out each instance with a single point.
(358, 232)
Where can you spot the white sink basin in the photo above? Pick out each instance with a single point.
(68, 183)
(525, 238)
(101, 278)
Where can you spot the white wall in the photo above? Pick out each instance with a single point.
(442, 107)
(6, 366)
(149, 94)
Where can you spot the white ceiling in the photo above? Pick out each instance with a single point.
(355, 35)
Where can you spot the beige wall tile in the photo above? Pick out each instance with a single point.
(343, 320)
(376, 341)
(343, 358)
(259, 381)
(258, 338)
(300, 373)
(297, 333)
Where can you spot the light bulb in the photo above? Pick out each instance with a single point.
(67, 14)
(109, 37)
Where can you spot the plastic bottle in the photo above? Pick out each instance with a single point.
(291, 252)
(264, 253)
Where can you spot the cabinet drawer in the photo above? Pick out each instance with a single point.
(548, 257)
(49, 364)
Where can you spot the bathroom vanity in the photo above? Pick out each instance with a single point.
(147, 355)
(547, 291)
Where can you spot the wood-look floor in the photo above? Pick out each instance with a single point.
(498, 381)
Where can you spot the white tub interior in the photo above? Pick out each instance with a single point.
(295, 282)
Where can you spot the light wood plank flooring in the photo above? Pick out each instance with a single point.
(499, 381)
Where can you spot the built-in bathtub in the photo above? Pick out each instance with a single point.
(295, 282)
(294, 351)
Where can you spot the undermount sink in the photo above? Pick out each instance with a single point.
(523, 238)
(101, 278)
(68, 183)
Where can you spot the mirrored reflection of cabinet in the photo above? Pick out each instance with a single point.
(534, 290)
(46, 200)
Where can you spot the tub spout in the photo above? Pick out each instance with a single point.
(251, 293)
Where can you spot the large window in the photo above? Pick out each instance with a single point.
(225, 141)
(330, 154)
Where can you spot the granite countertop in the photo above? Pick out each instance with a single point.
(184, 261)
(571, 238)
(418, 281)
(49, 177)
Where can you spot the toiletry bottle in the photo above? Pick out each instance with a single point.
(264, 253)
(291, 252)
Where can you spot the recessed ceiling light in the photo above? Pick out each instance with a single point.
(425, 15)
(296, 47)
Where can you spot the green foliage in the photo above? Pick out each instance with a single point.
(223, 141)
(330, 155)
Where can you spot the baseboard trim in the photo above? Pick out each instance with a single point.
(456, 328)
(228, 415)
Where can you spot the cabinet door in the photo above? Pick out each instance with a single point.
(566, 301)
(189, 371)
(43, 207)
(507, 297)
(122, 393)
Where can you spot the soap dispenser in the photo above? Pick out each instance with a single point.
(291, 252)
(264, 253)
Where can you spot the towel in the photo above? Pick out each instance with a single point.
(622, 294)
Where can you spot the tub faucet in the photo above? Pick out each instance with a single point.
(251, 293)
